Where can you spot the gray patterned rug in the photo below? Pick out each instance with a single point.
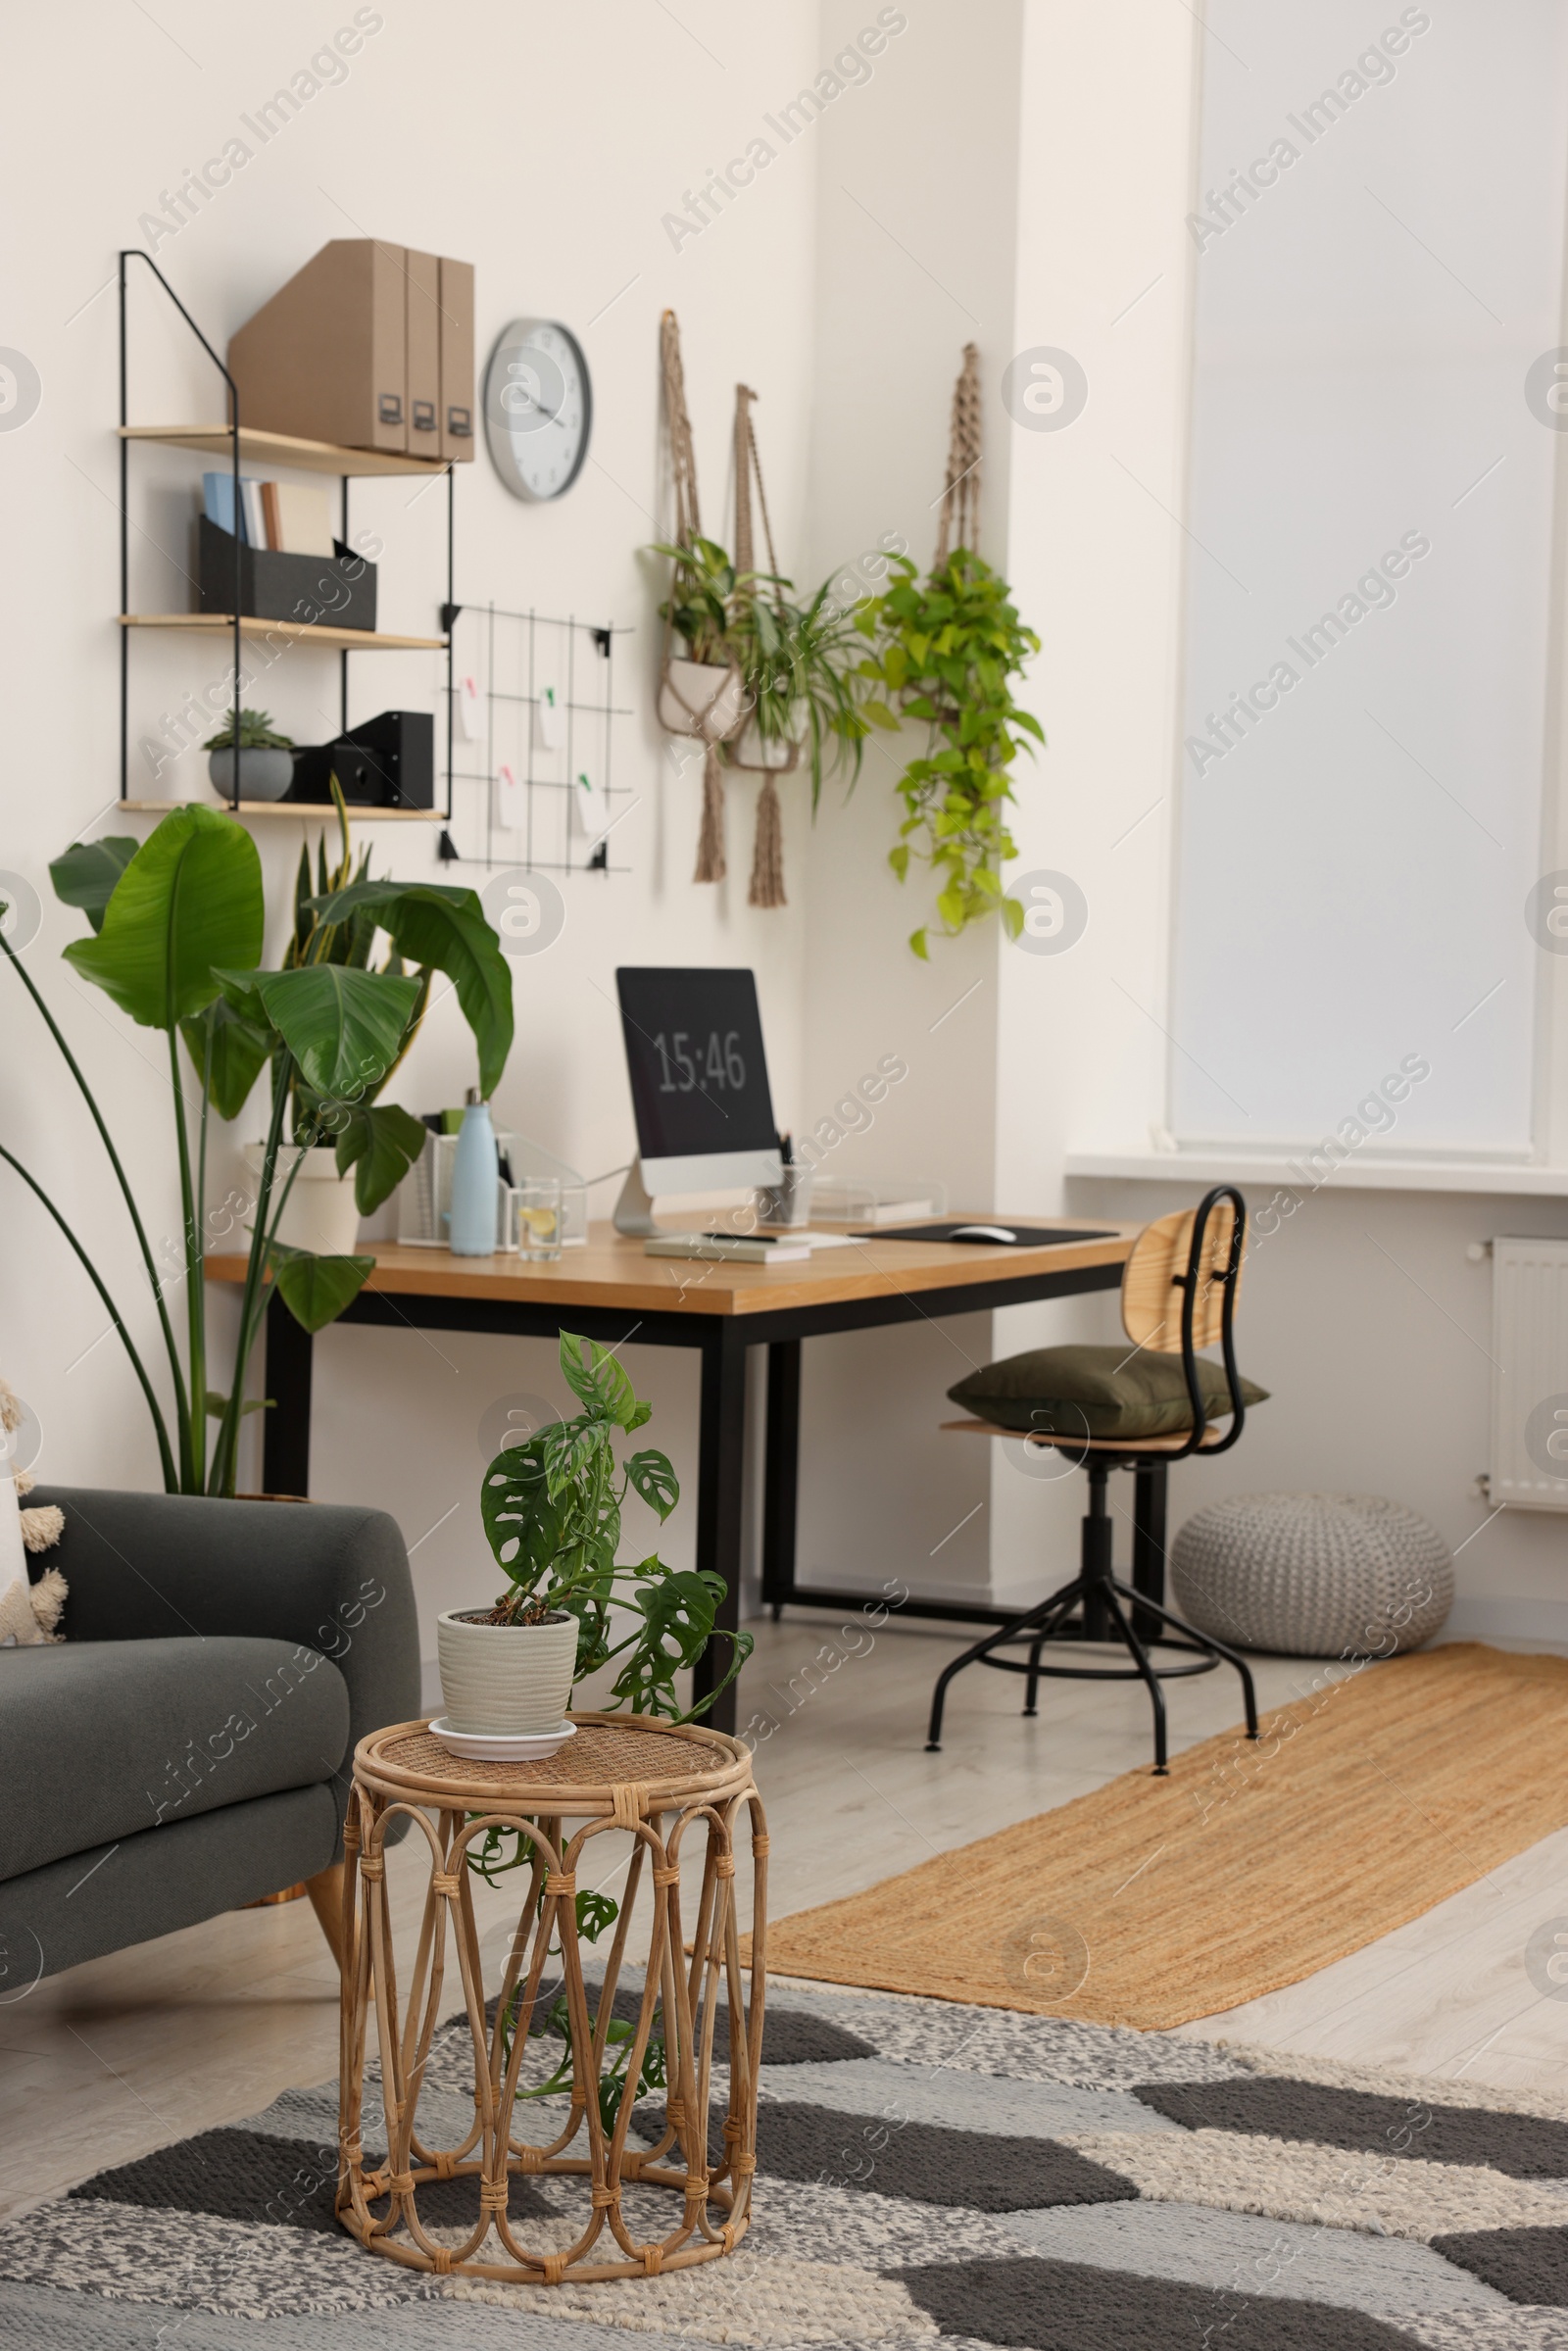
(924, 2172)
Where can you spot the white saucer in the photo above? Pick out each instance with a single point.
(502, 1747)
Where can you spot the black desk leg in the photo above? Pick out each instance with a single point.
(720, 1470)
(287, 1428)
(1148, 1543)
(781, 1477)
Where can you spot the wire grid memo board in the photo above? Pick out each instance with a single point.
(535, 733)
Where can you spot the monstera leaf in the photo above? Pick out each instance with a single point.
(525, 1523)
(601, 1381)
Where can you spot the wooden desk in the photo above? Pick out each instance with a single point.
(612, 1292)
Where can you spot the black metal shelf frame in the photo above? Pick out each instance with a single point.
(450, 610)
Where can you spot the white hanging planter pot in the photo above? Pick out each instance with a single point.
(506, 1679)
(771, 755)
(321, 1212)
(700, 697)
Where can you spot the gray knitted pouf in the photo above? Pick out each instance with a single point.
(1312, 1575)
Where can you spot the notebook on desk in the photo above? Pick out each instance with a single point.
(787, 1247)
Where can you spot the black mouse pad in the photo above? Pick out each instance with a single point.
(1024, 1235)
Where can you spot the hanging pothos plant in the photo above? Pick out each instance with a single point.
(944, 650)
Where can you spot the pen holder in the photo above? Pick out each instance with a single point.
(789, 1202)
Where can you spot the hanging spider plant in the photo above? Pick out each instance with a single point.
(800, 666)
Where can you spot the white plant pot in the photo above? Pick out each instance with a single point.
(506, 1678)
(321, 1212)
(771, 752)
(700, 697)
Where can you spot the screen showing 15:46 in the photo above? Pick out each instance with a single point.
(694, 1052)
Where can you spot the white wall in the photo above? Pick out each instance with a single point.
(1362, 1314)
(915, 259)
(1019, 177)
(545, 146)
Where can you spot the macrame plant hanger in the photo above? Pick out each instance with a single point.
(960, 495)
(767, 851)
(714, 718)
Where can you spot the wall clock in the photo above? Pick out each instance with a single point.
(538, 408)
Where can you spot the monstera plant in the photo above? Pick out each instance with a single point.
(177, 930)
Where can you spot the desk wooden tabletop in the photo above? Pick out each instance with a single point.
(612, 1270)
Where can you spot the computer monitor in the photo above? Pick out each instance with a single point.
(698, 1086)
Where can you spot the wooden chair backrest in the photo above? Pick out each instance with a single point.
(1151, 1293)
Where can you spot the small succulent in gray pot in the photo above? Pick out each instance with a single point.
(265, 758)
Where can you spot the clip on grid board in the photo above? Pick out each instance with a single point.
(534, 715)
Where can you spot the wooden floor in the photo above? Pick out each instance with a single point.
(128, 2052)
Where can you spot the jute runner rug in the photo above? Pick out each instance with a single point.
(1153, 1902)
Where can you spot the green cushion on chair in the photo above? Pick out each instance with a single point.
(1096, 1390)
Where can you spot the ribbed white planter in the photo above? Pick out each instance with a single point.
(504, 1678)
(322, 1213)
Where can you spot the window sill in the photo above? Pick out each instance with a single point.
(1490, 1179)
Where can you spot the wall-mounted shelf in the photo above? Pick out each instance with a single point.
(296, 808)
(349, 640)
(284, 448)
(237, 443)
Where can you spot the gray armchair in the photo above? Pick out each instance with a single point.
(189, 1746)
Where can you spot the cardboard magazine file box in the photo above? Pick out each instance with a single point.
(370, 346)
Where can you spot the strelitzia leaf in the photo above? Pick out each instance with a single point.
(189, 900)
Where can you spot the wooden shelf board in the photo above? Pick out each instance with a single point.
(282, 448)
(292, 808)
(351, 639)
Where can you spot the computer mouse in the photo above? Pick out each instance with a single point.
(982, 1232)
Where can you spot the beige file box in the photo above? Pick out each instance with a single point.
(458, 419)
(424, 355)
(326, 358)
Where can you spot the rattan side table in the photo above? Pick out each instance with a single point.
(624, 1772)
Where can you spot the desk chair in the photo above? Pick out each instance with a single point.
(1194, 1255)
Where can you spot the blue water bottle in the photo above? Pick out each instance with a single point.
(475, 1173)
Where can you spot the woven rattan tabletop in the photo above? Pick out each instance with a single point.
(658, 1760)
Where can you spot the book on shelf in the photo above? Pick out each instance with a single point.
(304, 515)
(286, 517)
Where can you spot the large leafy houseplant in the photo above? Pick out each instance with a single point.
(944, 650)
(177, 937)
(552, 1513)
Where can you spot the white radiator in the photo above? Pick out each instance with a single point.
(1530, 1374)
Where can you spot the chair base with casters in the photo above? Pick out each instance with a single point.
(1106, 1609)
(1178, 1296)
